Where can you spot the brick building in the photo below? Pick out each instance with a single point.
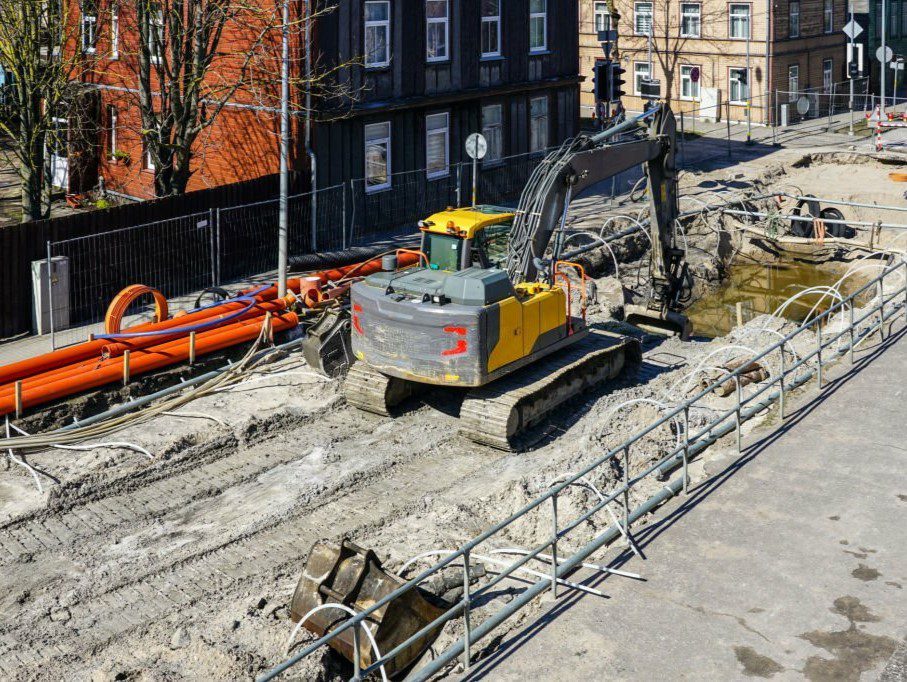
(428, 73)
(794, 45)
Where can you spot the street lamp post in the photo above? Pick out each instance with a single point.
(749, 85)
(283, 227)
(884, 75)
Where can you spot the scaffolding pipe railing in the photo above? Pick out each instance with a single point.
(887, 308)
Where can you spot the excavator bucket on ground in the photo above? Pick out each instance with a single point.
(326, 347)
(350, 575)
(664, 322)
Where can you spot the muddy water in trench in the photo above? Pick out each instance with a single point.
(761, 289)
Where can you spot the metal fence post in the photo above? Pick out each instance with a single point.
(683, 143)
(217, 245)
(357, 648)
(783, 374)
(852, 301)
(686, 449)
(467, 625)
(459, 184)
(554, 546)
(728, 120)
(739, 400)
(343, 215)
(819, 351)
(627, 494)
(50, 298)
(775, 115)
(212, 239)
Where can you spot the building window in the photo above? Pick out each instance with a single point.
(829, 15)
(147, 160)
(89, 27)
(794, 19)
(155, 33)
(491, 28)
(437, 30)
(377, 156)
(602, 17)
(894, 8)
(690, 20)
(538, 25)
(437, 135)
(827, 74)
(904, 18)
(377, 34)
(688, 89)
(877, 24)
(538, 124)
(739, 86)
(493, 130)
(740, 21)
(111, 132)
(793, 82)
(640, 71)
(642, 18)
(115, 32)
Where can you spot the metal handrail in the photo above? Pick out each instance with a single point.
(718, 427)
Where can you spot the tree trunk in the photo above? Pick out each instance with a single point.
(31, 175)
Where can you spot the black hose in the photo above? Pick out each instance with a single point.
(336, 259)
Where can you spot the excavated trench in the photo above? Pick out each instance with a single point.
(182, 567)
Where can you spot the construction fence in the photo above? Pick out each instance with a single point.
(183, 256)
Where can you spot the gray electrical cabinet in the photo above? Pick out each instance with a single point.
(50, 291)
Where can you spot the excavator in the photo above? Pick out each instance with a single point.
(490, 306)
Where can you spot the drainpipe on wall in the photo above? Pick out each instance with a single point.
(313, 161)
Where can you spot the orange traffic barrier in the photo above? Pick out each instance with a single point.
(154, 358)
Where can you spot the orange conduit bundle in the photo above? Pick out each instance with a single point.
(121, 302)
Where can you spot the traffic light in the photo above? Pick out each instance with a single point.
(601, 81)
(617, 82)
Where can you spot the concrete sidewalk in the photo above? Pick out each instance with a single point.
(789, 562)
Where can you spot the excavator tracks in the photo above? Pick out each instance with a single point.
(503, 413)
(375, 392)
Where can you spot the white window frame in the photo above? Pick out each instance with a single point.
(377, 24)
(147, 161)
(749, 20)
(113, 119)
(491, 19)
(115, 31)
(686, 74)
(637, 15)
(444, 170)
(828, 16)
(793, 76)
(88, 46)
(386, 141)
(155, 30)
(790, 19)
(432, 21)
(637, 74)
(494, 134)
(602, 17)
(828, 74)
(731, 80)
(532, 122)
(697, 15)
(534, 17)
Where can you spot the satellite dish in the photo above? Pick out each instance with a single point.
(803, 105)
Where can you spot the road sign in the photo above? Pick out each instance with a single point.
(852, 29)
(855, 60)
(694, 74)
(476, 146)
(884, 54)
(897, 65)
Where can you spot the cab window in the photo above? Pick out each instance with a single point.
(443, 251)
(496, 238)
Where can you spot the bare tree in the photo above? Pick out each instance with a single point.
(41, 54)
(193, 59)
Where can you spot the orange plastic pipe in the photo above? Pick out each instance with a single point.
(113, 319)
(134, 345)
(147, 361)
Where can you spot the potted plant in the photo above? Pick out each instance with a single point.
(120, 158)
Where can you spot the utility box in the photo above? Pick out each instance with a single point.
(783, 118)
(710, 105)
(50, 291)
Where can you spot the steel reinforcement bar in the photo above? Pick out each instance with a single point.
(886, 308)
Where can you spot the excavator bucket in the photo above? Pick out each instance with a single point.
(326, 347)
(347, 574)
(666, 323)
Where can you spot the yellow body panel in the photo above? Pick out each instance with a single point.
(466, 221)
(536, 310)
